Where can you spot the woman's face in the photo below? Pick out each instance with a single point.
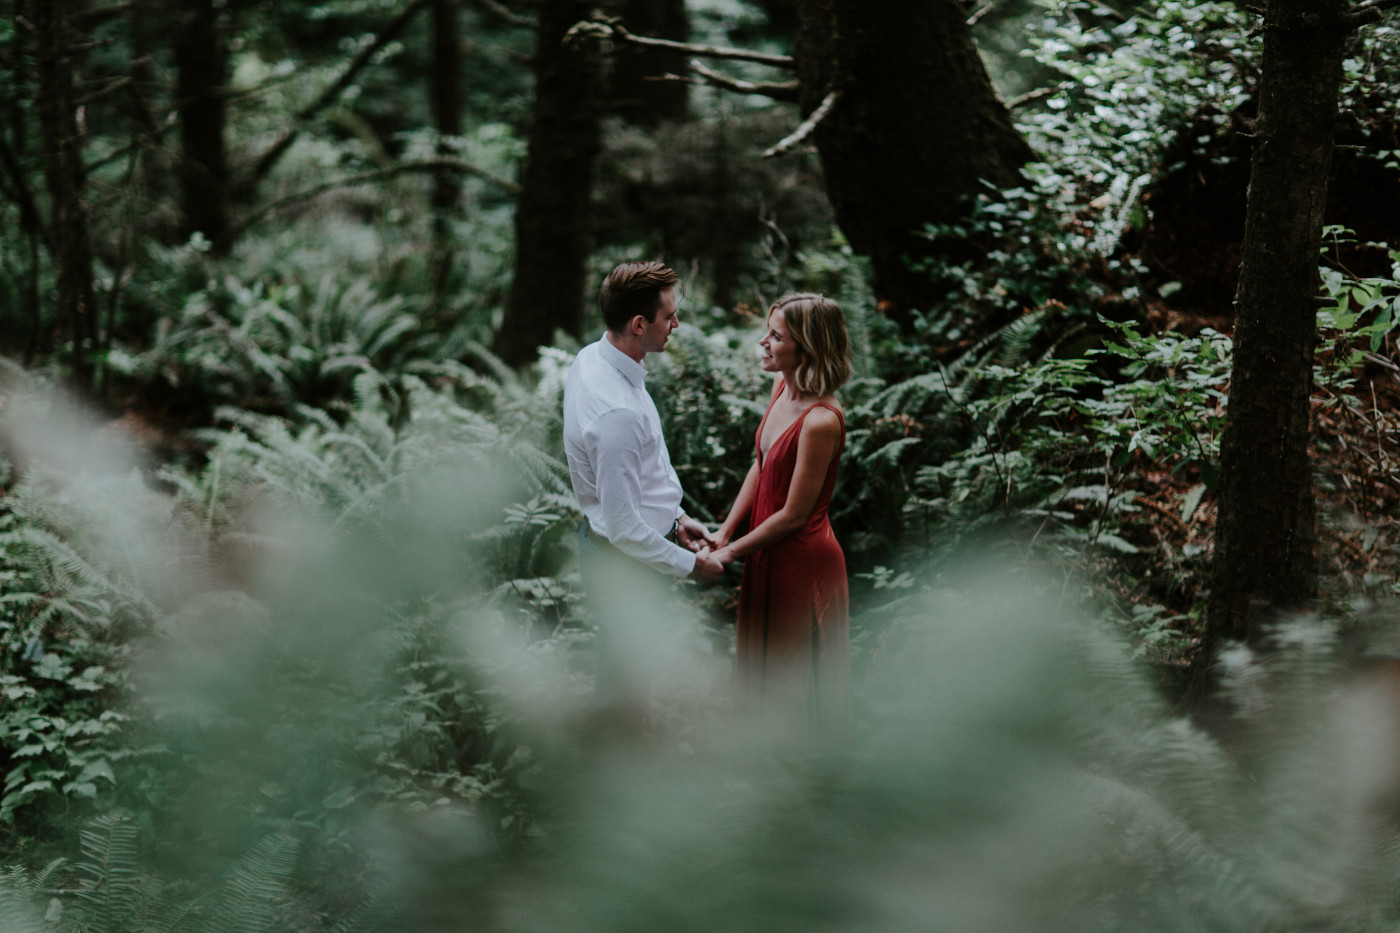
(780, 353)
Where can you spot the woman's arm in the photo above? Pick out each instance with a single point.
(743, 503)
(739, 512)
(816, 445)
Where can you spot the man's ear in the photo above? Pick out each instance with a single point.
(638, 324)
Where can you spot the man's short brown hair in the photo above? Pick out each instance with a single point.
(634, 288)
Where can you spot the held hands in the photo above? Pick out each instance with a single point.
(707, 569)
(692, 535)
(712, 554)
(710, 564)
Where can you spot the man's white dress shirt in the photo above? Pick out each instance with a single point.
(621, 471)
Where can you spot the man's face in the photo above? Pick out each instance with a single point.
(654, 337)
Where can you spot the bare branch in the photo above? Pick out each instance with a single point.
(1040, 93)
(778, 90)
(142, 140)
(100, 13)
(28, 207)
(975, 17)
(352, 181)
(330, 94)
(115, 84)
(1368, 13)
(806, 129)
(604, 27)
(500, 11)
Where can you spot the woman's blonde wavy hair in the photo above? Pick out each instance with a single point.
(818, 328)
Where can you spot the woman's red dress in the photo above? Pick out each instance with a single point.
(794, 607)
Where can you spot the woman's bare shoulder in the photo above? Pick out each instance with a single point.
(822, 422)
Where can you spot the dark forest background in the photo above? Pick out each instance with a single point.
(291, 636)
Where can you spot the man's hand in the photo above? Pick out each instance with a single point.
(692, 535)
(706, 567)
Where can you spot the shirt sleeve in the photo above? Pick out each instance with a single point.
(615, 442)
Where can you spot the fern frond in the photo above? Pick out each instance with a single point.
(257, 887)
(110, 853)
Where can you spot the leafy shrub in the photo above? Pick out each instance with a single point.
(1132, 81)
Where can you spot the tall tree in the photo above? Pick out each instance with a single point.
(201, 63)
(1265, 536)
(905, 118)
(914, 128)
(16, 183)
(552, 212)
(637, 94)
(447, 114)
(69, 220)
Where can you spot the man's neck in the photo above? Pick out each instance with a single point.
(628, 347)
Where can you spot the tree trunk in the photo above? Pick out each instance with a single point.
(447, 114)
(204, 175)
(552, 212)
(636, 96)
(69, 221)
(10, 155)
(917, 128)
(1264, 541)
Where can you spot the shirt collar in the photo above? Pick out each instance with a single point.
(635, 372)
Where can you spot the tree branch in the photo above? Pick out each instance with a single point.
(808, 126)
(140, 140)
(975, 17)
(28, 207)
(330, 94)
(115, 84)
(778, 90)
(606, 27)
(1020, 100)
(500, 11)
(98, 14)
(1368, 13)
(351, 181)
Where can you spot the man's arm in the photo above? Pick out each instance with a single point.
(615, 443)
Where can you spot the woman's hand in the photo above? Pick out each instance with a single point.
(694, 536)
(725, 555)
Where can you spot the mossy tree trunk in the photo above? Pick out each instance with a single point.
(917, 128)
(70, 223)
(447, 114)
(1265, 537)
(201, 65)
(552, 212)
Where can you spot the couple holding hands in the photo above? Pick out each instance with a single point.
(793, 621)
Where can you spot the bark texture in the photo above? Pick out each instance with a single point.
(70, 225)
(916, 130)
(204, 176)
(1265, 555)
(447, 114)
(552, 212)
(636, 96)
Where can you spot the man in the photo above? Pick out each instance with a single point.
(623, 478)
(618, 462)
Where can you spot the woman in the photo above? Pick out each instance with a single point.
(794, 635)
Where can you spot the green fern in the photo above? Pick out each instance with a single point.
(257, 888)
(112, 890)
